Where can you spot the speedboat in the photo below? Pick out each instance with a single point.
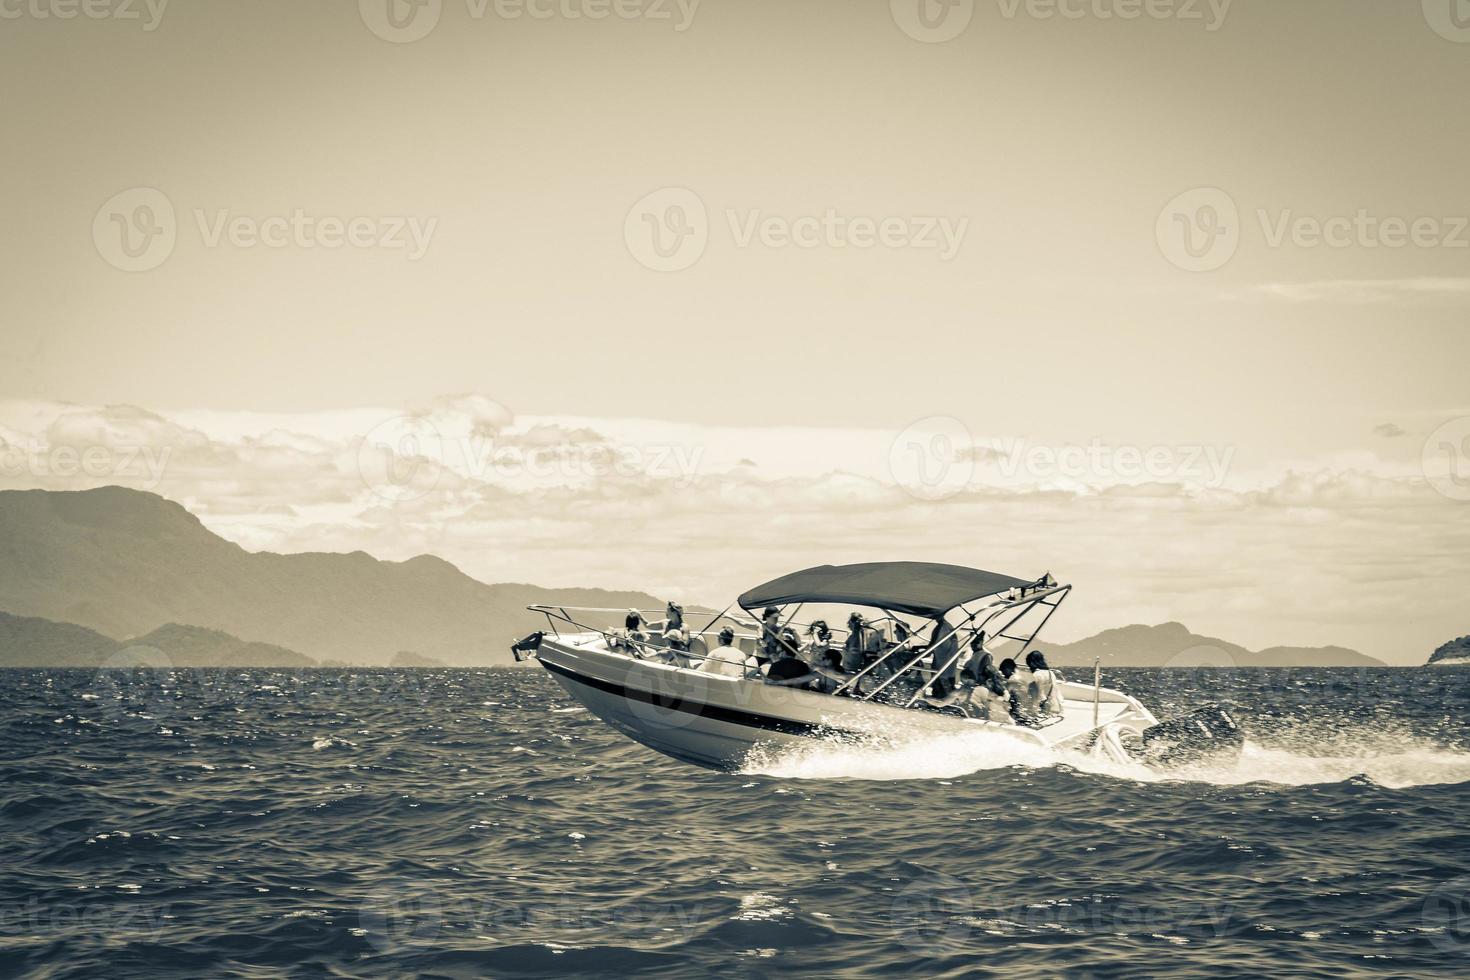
(671, 701)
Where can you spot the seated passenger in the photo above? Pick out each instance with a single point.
(789, 670)
(674, 649)
(1016, 694)
(821, 643)
(1044, 691)
(631, 636)
(992, 698)
(726, 659)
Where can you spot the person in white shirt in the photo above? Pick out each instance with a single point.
(727, 659)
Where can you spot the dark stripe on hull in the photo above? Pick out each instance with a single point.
(715, 712)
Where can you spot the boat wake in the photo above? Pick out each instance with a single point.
(1391, 761)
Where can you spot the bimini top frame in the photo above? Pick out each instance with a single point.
(919, 588)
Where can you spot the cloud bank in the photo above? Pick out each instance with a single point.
(1351, 549)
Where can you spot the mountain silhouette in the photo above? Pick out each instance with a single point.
(125, 562)
(1173, 645)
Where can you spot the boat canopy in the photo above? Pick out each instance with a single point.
(918, 587)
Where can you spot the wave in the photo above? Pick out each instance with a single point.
(1392, 761)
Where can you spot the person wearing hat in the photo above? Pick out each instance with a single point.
(770, 644)
(673, 618)
(676, 647)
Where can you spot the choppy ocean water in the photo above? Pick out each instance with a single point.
(349, 823)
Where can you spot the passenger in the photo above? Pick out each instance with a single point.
(1044, 690)
(943, 646)
(675, 650)
(726, 659)
(855, 649)
(1016, 694)
(821, 643)
(789, 670)
(631, 637)
(673, 618)
(770, 643)
(992, 698)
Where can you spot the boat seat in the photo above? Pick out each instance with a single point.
(698, 649)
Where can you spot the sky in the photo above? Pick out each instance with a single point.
(774, 284)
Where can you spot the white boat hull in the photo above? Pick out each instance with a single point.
(716, 721)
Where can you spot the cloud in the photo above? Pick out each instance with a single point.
(1361, 291)
(1326, 551)
(1388, 430)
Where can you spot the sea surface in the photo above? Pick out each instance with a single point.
(444, 823)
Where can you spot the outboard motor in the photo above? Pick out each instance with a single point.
(1207, 732)
(527, 645)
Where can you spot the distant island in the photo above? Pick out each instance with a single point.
(1456, 651)
(1173, 645)
(92, 576)
(123, 563)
